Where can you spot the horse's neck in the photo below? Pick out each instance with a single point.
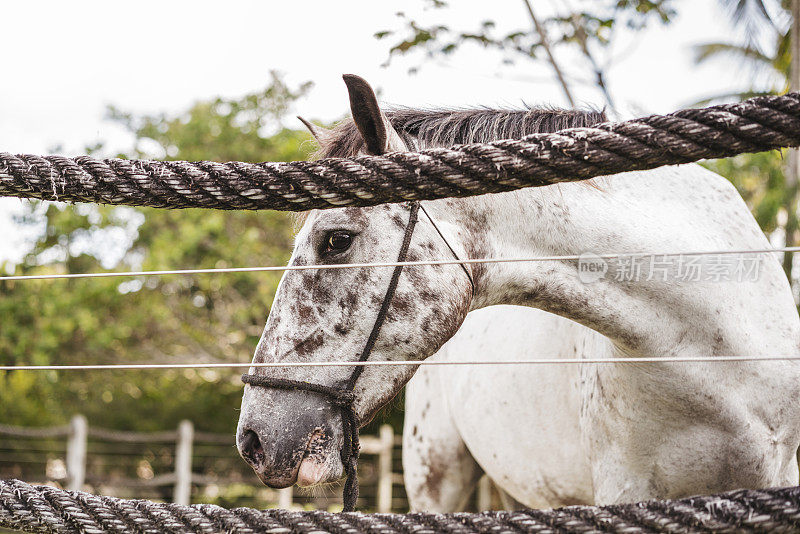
(673, 209)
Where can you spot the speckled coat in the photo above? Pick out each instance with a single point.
(559, 435)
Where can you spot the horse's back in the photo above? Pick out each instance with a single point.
(539, 430)
(688, 208)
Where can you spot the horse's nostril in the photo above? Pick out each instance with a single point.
(250, 448)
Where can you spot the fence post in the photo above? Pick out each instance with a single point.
(183, 463)
(76, 452)
(386, 436)
(285, 500)
(484, 494)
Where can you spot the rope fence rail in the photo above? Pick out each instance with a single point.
(755, 125)
(41, 509)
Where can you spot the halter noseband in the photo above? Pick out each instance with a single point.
(344, 397)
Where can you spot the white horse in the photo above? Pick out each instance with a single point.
(548, 435)
(462, 422)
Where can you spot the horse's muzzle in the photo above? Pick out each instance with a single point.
(283, 434)
(275, 470)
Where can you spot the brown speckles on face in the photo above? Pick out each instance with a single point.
(400, 306)
(356, 216)
(306, 280)
(429, 247)
(309, 344)
(348, 300)
(398, 220)
(327, 314)
(304, 312)
(321, 292)
(340, 329)
(319, 443)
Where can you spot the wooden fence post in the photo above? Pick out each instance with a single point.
(285, 498)
(484, 494)
(183, 463)
(76, 452)
(385, 477)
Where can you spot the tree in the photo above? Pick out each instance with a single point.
(764, 45)
(151, 319)
(587, 32)
(766, 48)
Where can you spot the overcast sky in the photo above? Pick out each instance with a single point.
(64, 62)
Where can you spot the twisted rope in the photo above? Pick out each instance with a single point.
(44, 509)
(758, 124)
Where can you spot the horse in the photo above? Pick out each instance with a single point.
(449, 412)
(439, 471)
(599, 433)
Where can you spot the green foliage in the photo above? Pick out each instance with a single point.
(577, 28)
(761, 181)
(663, 10)
(765, 48)
(247, 129)
(151, 319)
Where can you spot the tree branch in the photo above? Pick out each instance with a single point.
(546, 45)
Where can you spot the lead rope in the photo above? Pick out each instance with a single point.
(344, 397)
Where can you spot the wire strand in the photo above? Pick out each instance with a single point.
(543, 361)
(279, 268)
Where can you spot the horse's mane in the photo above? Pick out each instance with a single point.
(424, 128)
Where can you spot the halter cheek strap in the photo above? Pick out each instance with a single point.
(344, 397)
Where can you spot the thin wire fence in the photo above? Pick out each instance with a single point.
(339, 363)
(541, 361)
(280, 268)
(421, 363)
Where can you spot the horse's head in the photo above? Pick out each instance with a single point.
(327, 314)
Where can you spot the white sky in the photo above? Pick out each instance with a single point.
(64, 62)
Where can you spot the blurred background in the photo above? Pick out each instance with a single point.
(193, 80)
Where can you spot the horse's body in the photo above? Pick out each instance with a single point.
(461, 422)
(615, 432)
(599, 433)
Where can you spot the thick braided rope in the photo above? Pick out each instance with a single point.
(758, 124)
(48, 510)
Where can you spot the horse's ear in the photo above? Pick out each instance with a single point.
(315, 130)
(378, 134)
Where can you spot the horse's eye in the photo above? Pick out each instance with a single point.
(338, 241)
